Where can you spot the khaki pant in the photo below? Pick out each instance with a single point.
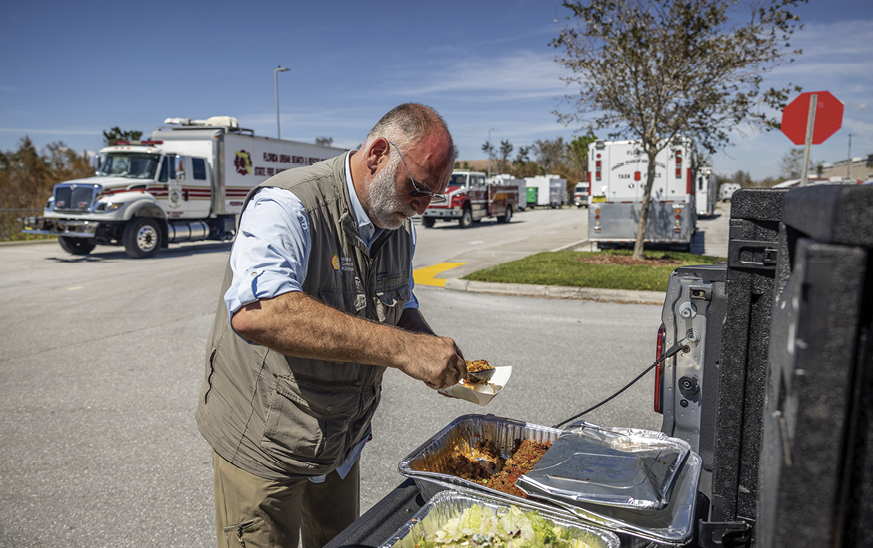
(253, 512)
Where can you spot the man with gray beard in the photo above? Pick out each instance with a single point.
(317, 302)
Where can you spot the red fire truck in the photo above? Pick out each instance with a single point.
(471, 198)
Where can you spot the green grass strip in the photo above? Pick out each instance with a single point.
(564, 268)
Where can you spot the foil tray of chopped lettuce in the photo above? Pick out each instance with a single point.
(457, 520)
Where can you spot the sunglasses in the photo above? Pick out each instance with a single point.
(420, 192)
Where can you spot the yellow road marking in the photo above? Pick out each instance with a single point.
(426, 275)
(74, 288)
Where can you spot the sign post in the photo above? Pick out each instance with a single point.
(810, 127)
(810, 120)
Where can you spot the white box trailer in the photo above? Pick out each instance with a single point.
(546, 190)
(617, 171)
(706, 194)
(187, 183)
(727, 190)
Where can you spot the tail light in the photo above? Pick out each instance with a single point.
(659, 351)
(597, 168)
(678, 164)
(691, 186)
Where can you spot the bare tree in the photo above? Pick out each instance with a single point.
(505, 150)
(656, 70)
(488, 149)
(792, 164)
(324, 141)
(577, 151)
(550, 153)
(27, 178)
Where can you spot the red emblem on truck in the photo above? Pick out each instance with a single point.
(243, 162)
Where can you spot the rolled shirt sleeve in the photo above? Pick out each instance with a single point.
(271, 252)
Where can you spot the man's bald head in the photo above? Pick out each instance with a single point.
(410, 124)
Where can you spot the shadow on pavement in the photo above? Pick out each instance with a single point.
(117, 254)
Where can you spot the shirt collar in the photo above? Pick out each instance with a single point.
(368, 231)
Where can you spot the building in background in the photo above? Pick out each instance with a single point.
(861, 169)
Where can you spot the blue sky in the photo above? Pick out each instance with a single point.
(73, 69)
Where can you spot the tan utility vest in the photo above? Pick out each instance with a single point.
(277, 416)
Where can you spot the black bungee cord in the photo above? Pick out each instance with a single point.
(681, 345)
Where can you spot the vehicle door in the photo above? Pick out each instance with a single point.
(478, 193)
(678, 185)
(188, 187)
(626, 170)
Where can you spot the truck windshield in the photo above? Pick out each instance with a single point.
(458, 179)
(133, 165)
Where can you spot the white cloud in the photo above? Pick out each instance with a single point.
(43, 131)
(522, 75)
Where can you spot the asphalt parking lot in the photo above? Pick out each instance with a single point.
(102, 360)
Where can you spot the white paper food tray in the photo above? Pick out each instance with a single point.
(481, 394)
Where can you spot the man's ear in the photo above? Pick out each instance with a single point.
(377, 152)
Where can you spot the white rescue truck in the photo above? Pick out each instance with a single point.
(617, 172)
(707, 192)
(580, 194)
(470, 197)
(186, 183)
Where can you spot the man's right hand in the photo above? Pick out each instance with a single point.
(435, 360)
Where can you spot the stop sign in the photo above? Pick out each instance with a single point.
(828, 117)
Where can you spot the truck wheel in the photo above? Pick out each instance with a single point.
(506, 218)
(428, 221)
(76, 246)
(142, 238)
(466, 220)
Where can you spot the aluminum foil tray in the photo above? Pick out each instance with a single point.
(623, 467)
(427, 464)
(450, 504)
(672, 526)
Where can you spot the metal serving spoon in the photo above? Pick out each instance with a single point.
(481, 376)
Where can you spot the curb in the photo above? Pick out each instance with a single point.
(28, 242)
(559, 292)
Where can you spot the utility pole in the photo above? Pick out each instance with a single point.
(849, 163)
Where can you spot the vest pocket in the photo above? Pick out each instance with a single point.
(307, 425)
(389, 304)
(349, 302)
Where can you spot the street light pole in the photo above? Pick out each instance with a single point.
(276, 72)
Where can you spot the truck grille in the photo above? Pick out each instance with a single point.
(74, 198)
